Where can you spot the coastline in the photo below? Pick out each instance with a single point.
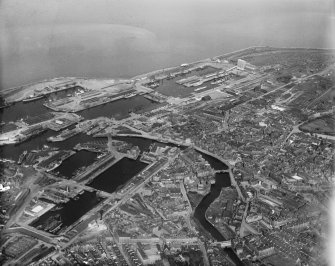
(160, 71)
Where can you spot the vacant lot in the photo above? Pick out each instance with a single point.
(322, 125)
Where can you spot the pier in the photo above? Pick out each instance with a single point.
(97, 169)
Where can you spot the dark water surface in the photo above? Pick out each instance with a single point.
(169, 87)
(131, 37)
(118, 109)
(117, 175)
(80, 159)
(71, 211)
(13, 151)
(221, 180)
(22, 110)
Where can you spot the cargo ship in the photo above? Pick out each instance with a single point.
(4, 105)
(32, 98)
(56, 229)
(101, 155)
(194, 84)
(217, 81)
(22, 138)
(129, 95)
(52, 223)
(22, 157)
(136, 109)
(200, 88)
(210, 75)
(64, 135)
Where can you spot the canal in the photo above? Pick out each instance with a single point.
(79, 160)
(119, 109)
(64, 215)
(22, 110)
(13, 151)
(169, 87)
(117, 175)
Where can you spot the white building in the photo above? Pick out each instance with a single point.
(241, 64)
(253, 218)
(2, 188)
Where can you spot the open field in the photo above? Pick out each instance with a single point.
(322, 125)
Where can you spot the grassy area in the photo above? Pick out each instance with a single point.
(322, 125)
(278, 260)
